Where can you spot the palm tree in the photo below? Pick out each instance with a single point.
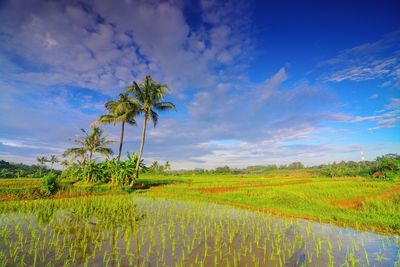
(123, 110)
(53, 159)
(41, 160)
(64, 163)
(90, 144)
(155, 166)
(167, 166)
(149, 95)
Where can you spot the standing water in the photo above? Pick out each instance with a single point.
(126, 231)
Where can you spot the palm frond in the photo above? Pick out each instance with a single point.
(107, 119)
(74, 152)
(137, 92)
(154, 117)
(163, 106)
(105, 151)
(130, 121)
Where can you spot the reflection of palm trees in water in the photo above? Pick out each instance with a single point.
(88, 230)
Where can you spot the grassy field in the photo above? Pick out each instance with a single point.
(356, 202)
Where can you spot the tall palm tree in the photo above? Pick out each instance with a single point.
(123, 110)
(42, 160)
(53, 159)
(149, 95)
(91, 143)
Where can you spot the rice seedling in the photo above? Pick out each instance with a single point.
(141, 231)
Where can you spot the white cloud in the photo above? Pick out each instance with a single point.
(373, 96)
(370, 61)
(16, 143)
(386, 118)
(269, 87)
(381, 127)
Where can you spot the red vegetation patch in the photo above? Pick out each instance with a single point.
(357, 202)
(377, 174)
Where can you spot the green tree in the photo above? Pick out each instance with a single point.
(123, 110)
(149, 95)
(90, 144)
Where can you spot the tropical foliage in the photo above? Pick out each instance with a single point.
(90, 144)
(123, 110)
(49, 184)
(117, 172)
(145, 98)
(149, 95)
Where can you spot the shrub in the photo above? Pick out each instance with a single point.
(73, 171)
(49, 184)
(387, 167)
(115, 171)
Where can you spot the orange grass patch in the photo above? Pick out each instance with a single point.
(356, 202)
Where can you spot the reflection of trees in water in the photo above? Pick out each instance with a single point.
(78, 232)
(96, 229)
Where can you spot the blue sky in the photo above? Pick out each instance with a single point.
(255, 82)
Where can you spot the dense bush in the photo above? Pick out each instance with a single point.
(114, 171)
(49, 184)
(73, 171)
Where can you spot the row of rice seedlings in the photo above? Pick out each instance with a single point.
(122, 230)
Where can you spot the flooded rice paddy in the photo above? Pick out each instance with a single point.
(127, 231)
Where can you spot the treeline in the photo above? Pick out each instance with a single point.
(384, 167)
(119, 172)
(257, 169)
(17, 170)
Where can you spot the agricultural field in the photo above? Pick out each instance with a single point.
(357, 202)
(284, 218)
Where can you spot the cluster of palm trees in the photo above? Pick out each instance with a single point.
(146, 98)
(43, 160)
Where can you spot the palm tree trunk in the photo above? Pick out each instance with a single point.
(121, 140)
(141, 146)
(89, 179)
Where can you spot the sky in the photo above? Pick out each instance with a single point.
(254, 82)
